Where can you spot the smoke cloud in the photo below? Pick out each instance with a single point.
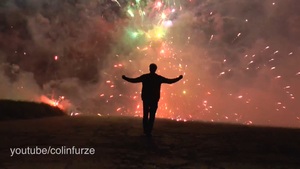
(239, 58)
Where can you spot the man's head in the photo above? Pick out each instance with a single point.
(152, 68)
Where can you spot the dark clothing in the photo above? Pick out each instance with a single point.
(151, 85)
(150, 95)
(149, 108)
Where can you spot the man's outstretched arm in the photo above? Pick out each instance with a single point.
(132, 80)
(170, 81)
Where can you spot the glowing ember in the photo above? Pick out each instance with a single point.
(239, 65)
(52, 102)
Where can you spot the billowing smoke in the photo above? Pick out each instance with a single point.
(240, 58)
(54, 47)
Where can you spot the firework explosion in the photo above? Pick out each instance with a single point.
(239, 58)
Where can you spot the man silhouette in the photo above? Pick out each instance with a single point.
(151, 83)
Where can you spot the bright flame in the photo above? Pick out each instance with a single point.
(52, 102)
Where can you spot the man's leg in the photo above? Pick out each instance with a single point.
(153, 108)
(145, 116)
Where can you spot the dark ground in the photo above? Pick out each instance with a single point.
(119, 143)
(11, 109)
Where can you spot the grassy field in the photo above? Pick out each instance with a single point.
(119, 143)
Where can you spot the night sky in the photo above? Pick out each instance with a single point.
(239, 58)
